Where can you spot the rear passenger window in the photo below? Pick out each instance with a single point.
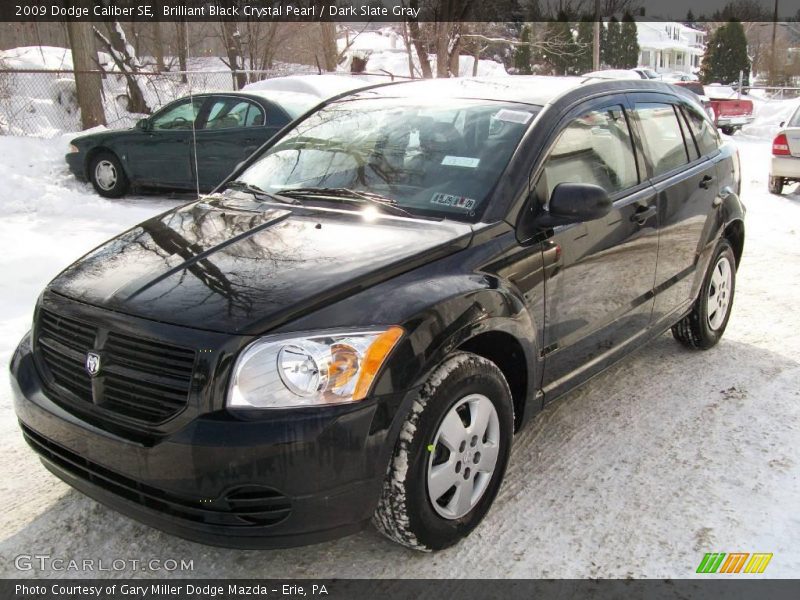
(595, 148)
(662, 137)
(704, 133)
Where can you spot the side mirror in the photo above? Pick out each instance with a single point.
(577, 202)
(143, 124)
(782, 124)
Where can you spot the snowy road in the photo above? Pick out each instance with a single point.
(666, 456)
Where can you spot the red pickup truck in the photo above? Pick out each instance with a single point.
(729, 111)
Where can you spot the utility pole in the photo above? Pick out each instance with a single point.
(772, 48)
(596, 40)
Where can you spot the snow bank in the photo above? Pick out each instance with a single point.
(321, 86)
(768, 116)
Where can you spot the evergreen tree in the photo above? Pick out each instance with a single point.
(611, 53)
(689, 17)
(726, 55)
(522, 53)
(629, 43)
(583, 62)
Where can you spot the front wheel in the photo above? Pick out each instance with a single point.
(450, 457)
(703, 327)
(107, 175)
(776, 185)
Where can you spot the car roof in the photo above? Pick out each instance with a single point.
(527, 89)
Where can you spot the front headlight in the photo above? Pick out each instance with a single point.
(73, 149)
(334, 368)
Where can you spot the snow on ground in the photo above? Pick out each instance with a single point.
(666, 456)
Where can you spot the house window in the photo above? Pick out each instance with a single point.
(645, 62)
(679, 59)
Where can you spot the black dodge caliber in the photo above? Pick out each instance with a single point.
(353, 326)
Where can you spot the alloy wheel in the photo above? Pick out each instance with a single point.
(719, 293)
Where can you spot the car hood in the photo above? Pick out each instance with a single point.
(97, 137)
(245, 267)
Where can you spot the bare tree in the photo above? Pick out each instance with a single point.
(88, 83)
(182, 44)
(125, 59)
(232, 39)
(328, 47)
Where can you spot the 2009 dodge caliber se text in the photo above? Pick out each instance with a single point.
(356, 323)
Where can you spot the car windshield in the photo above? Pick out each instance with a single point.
(428, 157)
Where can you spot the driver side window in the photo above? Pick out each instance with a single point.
(179, 116)
(595, 148)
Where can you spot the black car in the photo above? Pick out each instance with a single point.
(355, 324)
(206, 134)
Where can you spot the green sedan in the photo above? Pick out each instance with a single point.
(191, 143)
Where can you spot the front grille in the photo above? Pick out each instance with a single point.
(63, 344)
(250, 506)
(141, 380)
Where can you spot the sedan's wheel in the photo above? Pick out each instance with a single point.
(703, 327)
(451, 455)
(776, 185)
(463, 458)
(107, 176)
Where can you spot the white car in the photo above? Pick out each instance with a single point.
(785, 166)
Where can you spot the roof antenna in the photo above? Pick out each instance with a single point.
(191, 100)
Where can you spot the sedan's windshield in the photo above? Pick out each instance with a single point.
(430, 158)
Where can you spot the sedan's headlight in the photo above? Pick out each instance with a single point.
(73, 149)
(325, 369)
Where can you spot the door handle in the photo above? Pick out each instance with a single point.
(643, 213)
(706, 181)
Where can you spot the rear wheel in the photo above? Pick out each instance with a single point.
(728, 130)
(776, 185)
(451, 455)
(107, 175)
(703, 327)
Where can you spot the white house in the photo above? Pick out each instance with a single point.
(669, 47)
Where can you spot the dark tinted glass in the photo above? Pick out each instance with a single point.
(663, 139)
(595, 148)
(704, 133)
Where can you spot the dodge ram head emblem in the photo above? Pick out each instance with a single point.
(92, 363)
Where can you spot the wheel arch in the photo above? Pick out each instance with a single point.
(734, 233)
(505, 351)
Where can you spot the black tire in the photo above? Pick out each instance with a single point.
(695, 330)
(405, 513)
(728, 130)
(776, 185)
(109, 186)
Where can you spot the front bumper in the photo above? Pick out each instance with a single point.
(75, 163)
(249, 480)
(785, 166)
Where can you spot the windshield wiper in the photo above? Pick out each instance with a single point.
(257, 192)
(347, 195)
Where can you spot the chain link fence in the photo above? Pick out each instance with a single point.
(44, 103)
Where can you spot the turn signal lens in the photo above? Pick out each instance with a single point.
(780, 145)
(373, 361)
